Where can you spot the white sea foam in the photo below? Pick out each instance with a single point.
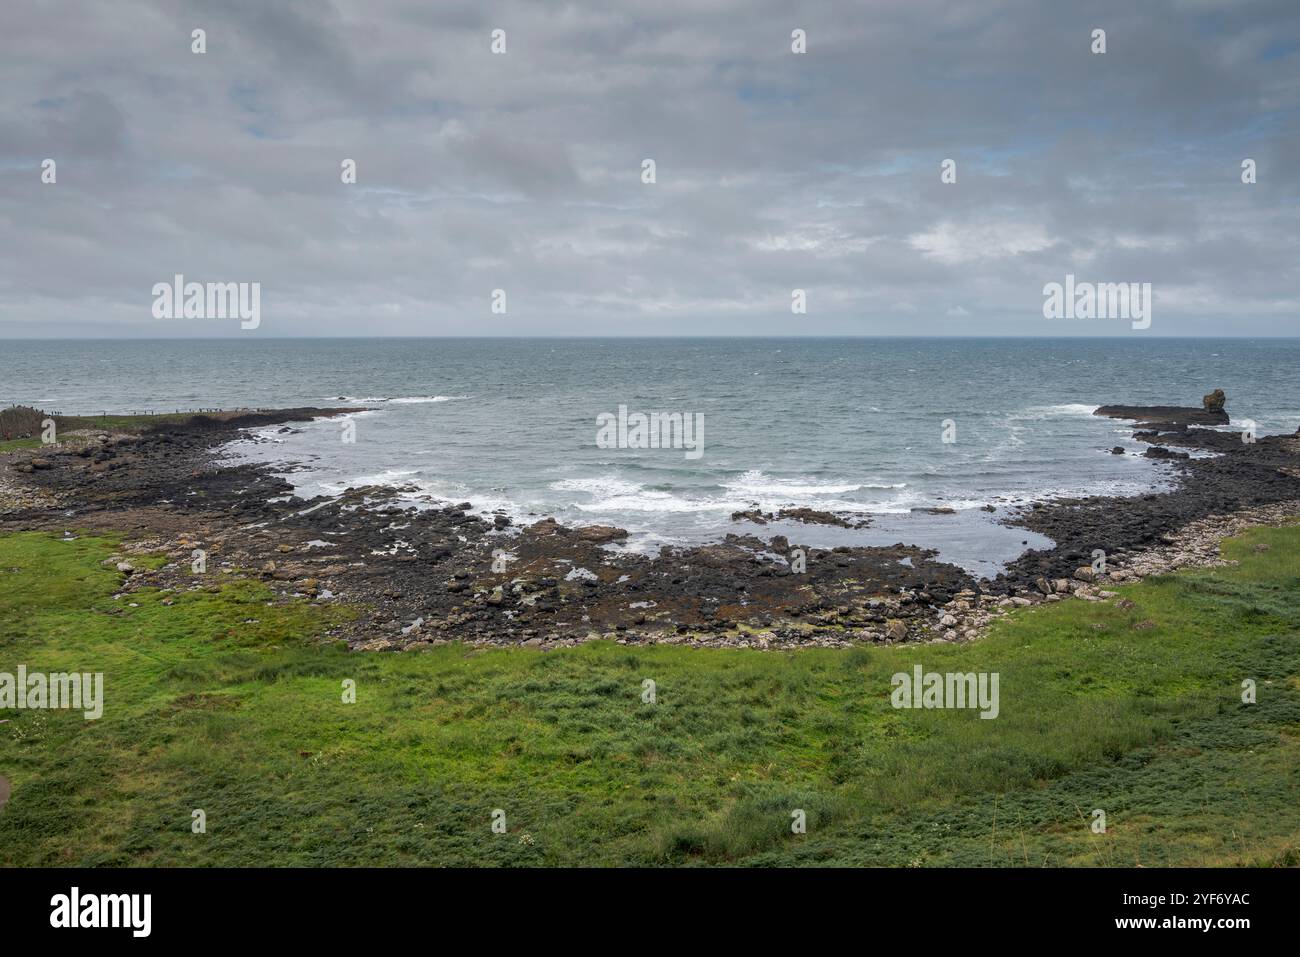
(423, 399)
(649, 500)
(386, 477)
(611, 494)
(1050, 411)
(400, 400)
(757, 483)
(598, 485)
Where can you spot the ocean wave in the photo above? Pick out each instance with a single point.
(598, 485)
(611, 494)
(1048, 411)
(399, 400)
(422, 399)
(662, 502)
(421, 492)
(647, 500)
(396, 477)
(758, 483)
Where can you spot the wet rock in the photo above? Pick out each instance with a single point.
(814, 516)
(1164, 415)
(1160, 452)
(599, 534)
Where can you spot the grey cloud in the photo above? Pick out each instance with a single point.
(522, 171)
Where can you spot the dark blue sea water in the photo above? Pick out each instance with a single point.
(836, 424)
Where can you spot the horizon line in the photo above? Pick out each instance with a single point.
(562, 336)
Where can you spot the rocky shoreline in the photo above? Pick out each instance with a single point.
(421, 577)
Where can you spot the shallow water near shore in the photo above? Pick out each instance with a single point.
(837, 425)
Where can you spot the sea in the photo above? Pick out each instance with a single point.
(881, 428)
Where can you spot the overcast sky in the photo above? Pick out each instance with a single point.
(523, 171)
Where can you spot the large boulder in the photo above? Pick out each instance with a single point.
(1160, 452)
(599, 534)
(1214, 401)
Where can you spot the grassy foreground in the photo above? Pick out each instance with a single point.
(224, 703)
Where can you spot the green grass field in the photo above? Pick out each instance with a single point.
(225, 703)
(67, 424)
(13, 445)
